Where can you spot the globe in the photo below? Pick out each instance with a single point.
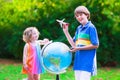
(56, 57)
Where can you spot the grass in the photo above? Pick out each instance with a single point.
(13, 72)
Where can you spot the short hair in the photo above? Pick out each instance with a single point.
(28, 33)
(82, 9)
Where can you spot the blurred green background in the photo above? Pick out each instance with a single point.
(16, 15)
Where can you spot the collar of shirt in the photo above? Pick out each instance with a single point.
(85, 24)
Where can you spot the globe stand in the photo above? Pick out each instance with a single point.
(55, 58)
(57, 77)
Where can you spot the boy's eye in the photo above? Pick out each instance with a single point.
(80, 14)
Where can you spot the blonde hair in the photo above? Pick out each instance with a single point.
(82, 9)
(28, 33)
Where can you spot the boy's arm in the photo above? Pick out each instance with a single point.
(94, 41)
(88, 47)
(91, 46)
(69, 38)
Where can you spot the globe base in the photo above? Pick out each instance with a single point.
(57, 77)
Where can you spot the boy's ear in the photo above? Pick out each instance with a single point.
(87, 16)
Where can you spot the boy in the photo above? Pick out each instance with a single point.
(84, 44)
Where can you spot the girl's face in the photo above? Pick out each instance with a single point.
(34, 36)
(82, 18)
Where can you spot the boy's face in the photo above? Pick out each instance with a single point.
(81, 17)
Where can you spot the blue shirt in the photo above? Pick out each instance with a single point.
(86, 35)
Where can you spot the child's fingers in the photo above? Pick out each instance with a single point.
(46, 40)
(65, 25)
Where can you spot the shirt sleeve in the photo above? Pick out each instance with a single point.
(94, 36)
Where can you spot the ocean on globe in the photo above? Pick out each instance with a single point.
(56, 57)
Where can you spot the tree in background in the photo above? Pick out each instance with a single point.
(16, 15)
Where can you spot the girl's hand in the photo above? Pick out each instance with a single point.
(26, 68)
(45, 40)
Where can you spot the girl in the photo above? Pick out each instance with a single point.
(31, 54)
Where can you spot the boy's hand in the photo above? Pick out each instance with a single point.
(65, 27)
(62, 23)
(73, 49)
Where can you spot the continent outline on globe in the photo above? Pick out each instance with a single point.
(56, 57)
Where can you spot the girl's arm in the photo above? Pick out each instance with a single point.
(44, 41)
(25, 56)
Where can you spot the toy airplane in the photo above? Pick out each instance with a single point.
(61, 22)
